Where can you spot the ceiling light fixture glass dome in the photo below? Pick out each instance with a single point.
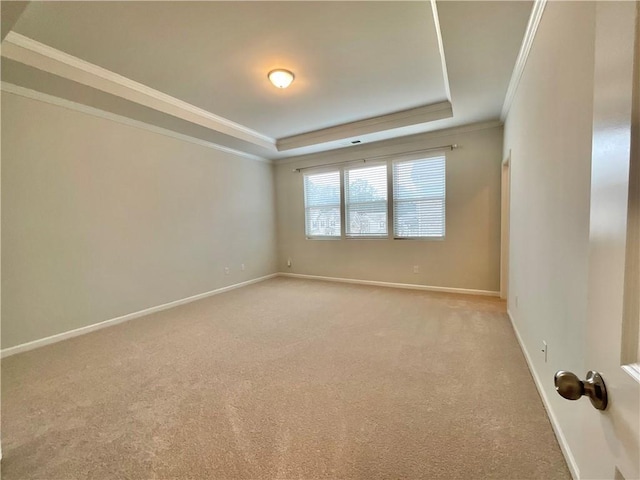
(281, 78)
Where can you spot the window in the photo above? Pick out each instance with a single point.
(322, 204)
(365, 201)
(362, 194)
(419, 198)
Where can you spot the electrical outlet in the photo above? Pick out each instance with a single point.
(516, 301)
(289, 262)
(226, 270)
(545, 350)
(416, 269)
(242, 267)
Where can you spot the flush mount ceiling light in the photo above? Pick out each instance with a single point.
(280, 78)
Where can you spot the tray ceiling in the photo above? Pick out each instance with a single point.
(365, 70)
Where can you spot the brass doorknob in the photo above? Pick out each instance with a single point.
(569, 386)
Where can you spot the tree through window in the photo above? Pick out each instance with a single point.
(322, 204)
(366, 201)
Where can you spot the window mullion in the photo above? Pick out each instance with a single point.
(343, 210)
(391, 227)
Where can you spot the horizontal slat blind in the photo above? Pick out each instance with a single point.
(365, 191)
(419, 198)
(322, 204)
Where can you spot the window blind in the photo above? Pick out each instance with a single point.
(322, 204)
(419, 198)
(365, 191)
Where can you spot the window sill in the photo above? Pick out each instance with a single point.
(373, 237)
(421, 239)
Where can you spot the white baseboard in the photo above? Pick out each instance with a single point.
(24, 347)
(410, 286)
(562, 441)
(114, 321)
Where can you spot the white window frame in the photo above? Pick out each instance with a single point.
(345, 168)
(391, 201)
(337, 169)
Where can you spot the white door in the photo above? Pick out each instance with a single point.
(611, 437)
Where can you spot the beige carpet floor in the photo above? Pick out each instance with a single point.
(284, 379)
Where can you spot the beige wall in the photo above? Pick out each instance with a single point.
(100, 219)
(468, 258)
(548, 131)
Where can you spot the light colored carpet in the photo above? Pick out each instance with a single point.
(285, 379)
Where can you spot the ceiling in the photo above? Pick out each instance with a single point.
(365, 70)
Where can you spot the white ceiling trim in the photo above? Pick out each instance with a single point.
(523, 55)
(43, 57)
(443, 60)
(399, 143)
(96, 112)
(412, 116)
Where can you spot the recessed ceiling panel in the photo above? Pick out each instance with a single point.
(352, 60)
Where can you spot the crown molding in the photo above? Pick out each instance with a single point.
(412, 116)
(443, 60)
(523, 55)
(43, 57)
(78, 107)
